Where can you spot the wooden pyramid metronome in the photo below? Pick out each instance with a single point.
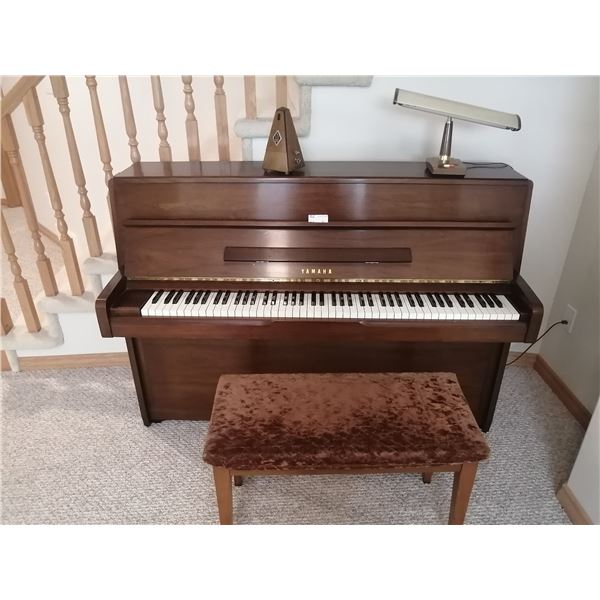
(283, 152)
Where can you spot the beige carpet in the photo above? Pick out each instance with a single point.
(74, 450)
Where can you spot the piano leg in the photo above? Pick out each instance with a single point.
(499, 374)
(135, 370)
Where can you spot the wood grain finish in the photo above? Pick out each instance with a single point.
(129, 119)
(164, 148)
(191, 124)
(61, 93)
(17, 92)
(67, 247)
(103, 147)
(250, 96)
(221, 118)
(11, 146)
(20, 284)
(392, 227)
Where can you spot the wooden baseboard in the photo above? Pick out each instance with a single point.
(527, 360)
(565, 395)
(572, 507)
(74, 361)
(48, 233)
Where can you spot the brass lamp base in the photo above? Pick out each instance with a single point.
(449, 167)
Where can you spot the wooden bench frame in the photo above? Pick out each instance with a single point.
(464, 477)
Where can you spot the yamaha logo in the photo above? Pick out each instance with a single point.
(317, 271)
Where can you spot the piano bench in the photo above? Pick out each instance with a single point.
(304, 424)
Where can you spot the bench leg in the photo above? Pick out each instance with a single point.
(461, 492)
(426, 476)
(237, 480)
(224, 495)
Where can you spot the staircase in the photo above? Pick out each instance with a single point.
(56, 322)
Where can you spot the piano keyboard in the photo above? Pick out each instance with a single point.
(329, 305)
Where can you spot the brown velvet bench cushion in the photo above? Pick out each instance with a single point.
(341, 421)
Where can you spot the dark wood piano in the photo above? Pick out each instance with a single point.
(346, 266)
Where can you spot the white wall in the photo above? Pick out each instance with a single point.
(584, 480)
(575, 356)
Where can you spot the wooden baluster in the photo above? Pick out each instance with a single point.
(61, 93)
(221, 116)
(130, 128)
(105, 158)
(36, 121)
(281, 90)
(8, 358)
(164, 150)
(19, 282)
(250, 96)
(191, 125)
(11, 146)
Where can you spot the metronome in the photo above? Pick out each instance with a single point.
(283, 152)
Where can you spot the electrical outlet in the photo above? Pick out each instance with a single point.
(570, 316)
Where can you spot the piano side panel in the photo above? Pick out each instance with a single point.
(180, 376)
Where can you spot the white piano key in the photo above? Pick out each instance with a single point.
(145, 310)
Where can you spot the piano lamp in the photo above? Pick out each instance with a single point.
(444, 164)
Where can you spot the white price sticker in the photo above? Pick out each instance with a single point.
(318, 218)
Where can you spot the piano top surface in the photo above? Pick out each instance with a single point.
(319, 170)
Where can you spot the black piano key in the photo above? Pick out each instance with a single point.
(349, 300)
(265, 298)
(274, 296)
(177, 296)
(370, 299)
(431, 299)
(301, 298)
(410, 300)
(440, 300)
(238, 297)
(398, 298)
(419, 300)
(468, 301)
(460, 301)
(226, 298)
(487, 300)
(197, 297)
(293, 298)
(480, 300)
(156, 296)
(286, 298)
(382, 299)
(253, 298)
(189, 297)
(361, 299)
(342, 302)
(333, 299)
(322, 299)
(245, 298)
(496, 301)
(390, 299)
(205, 297)
(448, 301)
(217, 298)
(169, 296)
(313, 299)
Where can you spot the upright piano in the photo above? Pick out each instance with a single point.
(345, 266)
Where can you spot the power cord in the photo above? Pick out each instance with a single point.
(563, 322)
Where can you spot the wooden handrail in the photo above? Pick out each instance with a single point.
(17, 92)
